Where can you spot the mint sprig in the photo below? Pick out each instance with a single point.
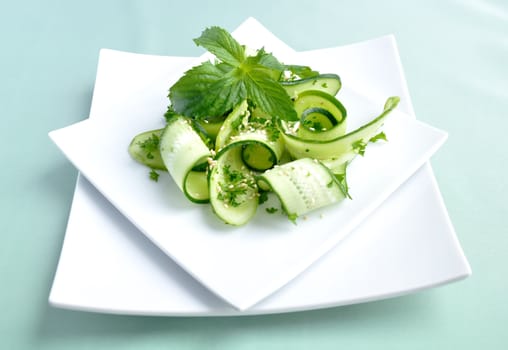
(213, 89)
(220, 43)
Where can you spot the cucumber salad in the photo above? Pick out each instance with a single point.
(246, 125)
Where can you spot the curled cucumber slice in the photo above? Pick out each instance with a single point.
(232, 186)
(328, 83)
(345, 146)
(322, 116)
(144, 148)
(182, 149)
(302, 186)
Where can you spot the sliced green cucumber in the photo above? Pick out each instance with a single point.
(196, 187)
(261, 149)
(144, 148)
(210, 126)
(182, 149)
(322, 116)
(329, 83)
(346, 146)
(262, 146)
(258, 156)
(233, 189)
(231, 123)
(302, 186)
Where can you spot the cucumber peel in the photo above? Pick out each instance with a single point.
(345, 146)
(328, 83)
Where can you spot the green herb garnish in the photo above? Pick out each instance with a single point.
(213, 89)
(379, 137)
(263, 197)
(150, 145)
(359, 147)
(154, 175)
(237, 187)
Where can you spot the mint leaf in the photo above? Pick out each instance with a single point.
(219, 42)
(206, 90)
(268, 95)
(266, 62)
(213, 89)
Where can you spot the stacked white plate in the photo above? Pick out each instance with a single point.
(134, 246)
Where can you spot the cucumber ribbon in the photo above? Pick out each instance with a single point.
(304, 163)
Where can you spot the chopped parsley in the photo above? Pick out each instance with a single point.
(263, 197)
(154, 175)
(292, 218)
(150, 145)
(379, 137)
(359, 147)
(237, 187)
(313, 125)
(267, 125)
(271, 210)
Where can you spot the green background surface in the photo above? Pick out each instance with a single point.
(455, 55)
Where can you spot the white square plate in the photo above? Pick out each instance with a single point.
(130, 86)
